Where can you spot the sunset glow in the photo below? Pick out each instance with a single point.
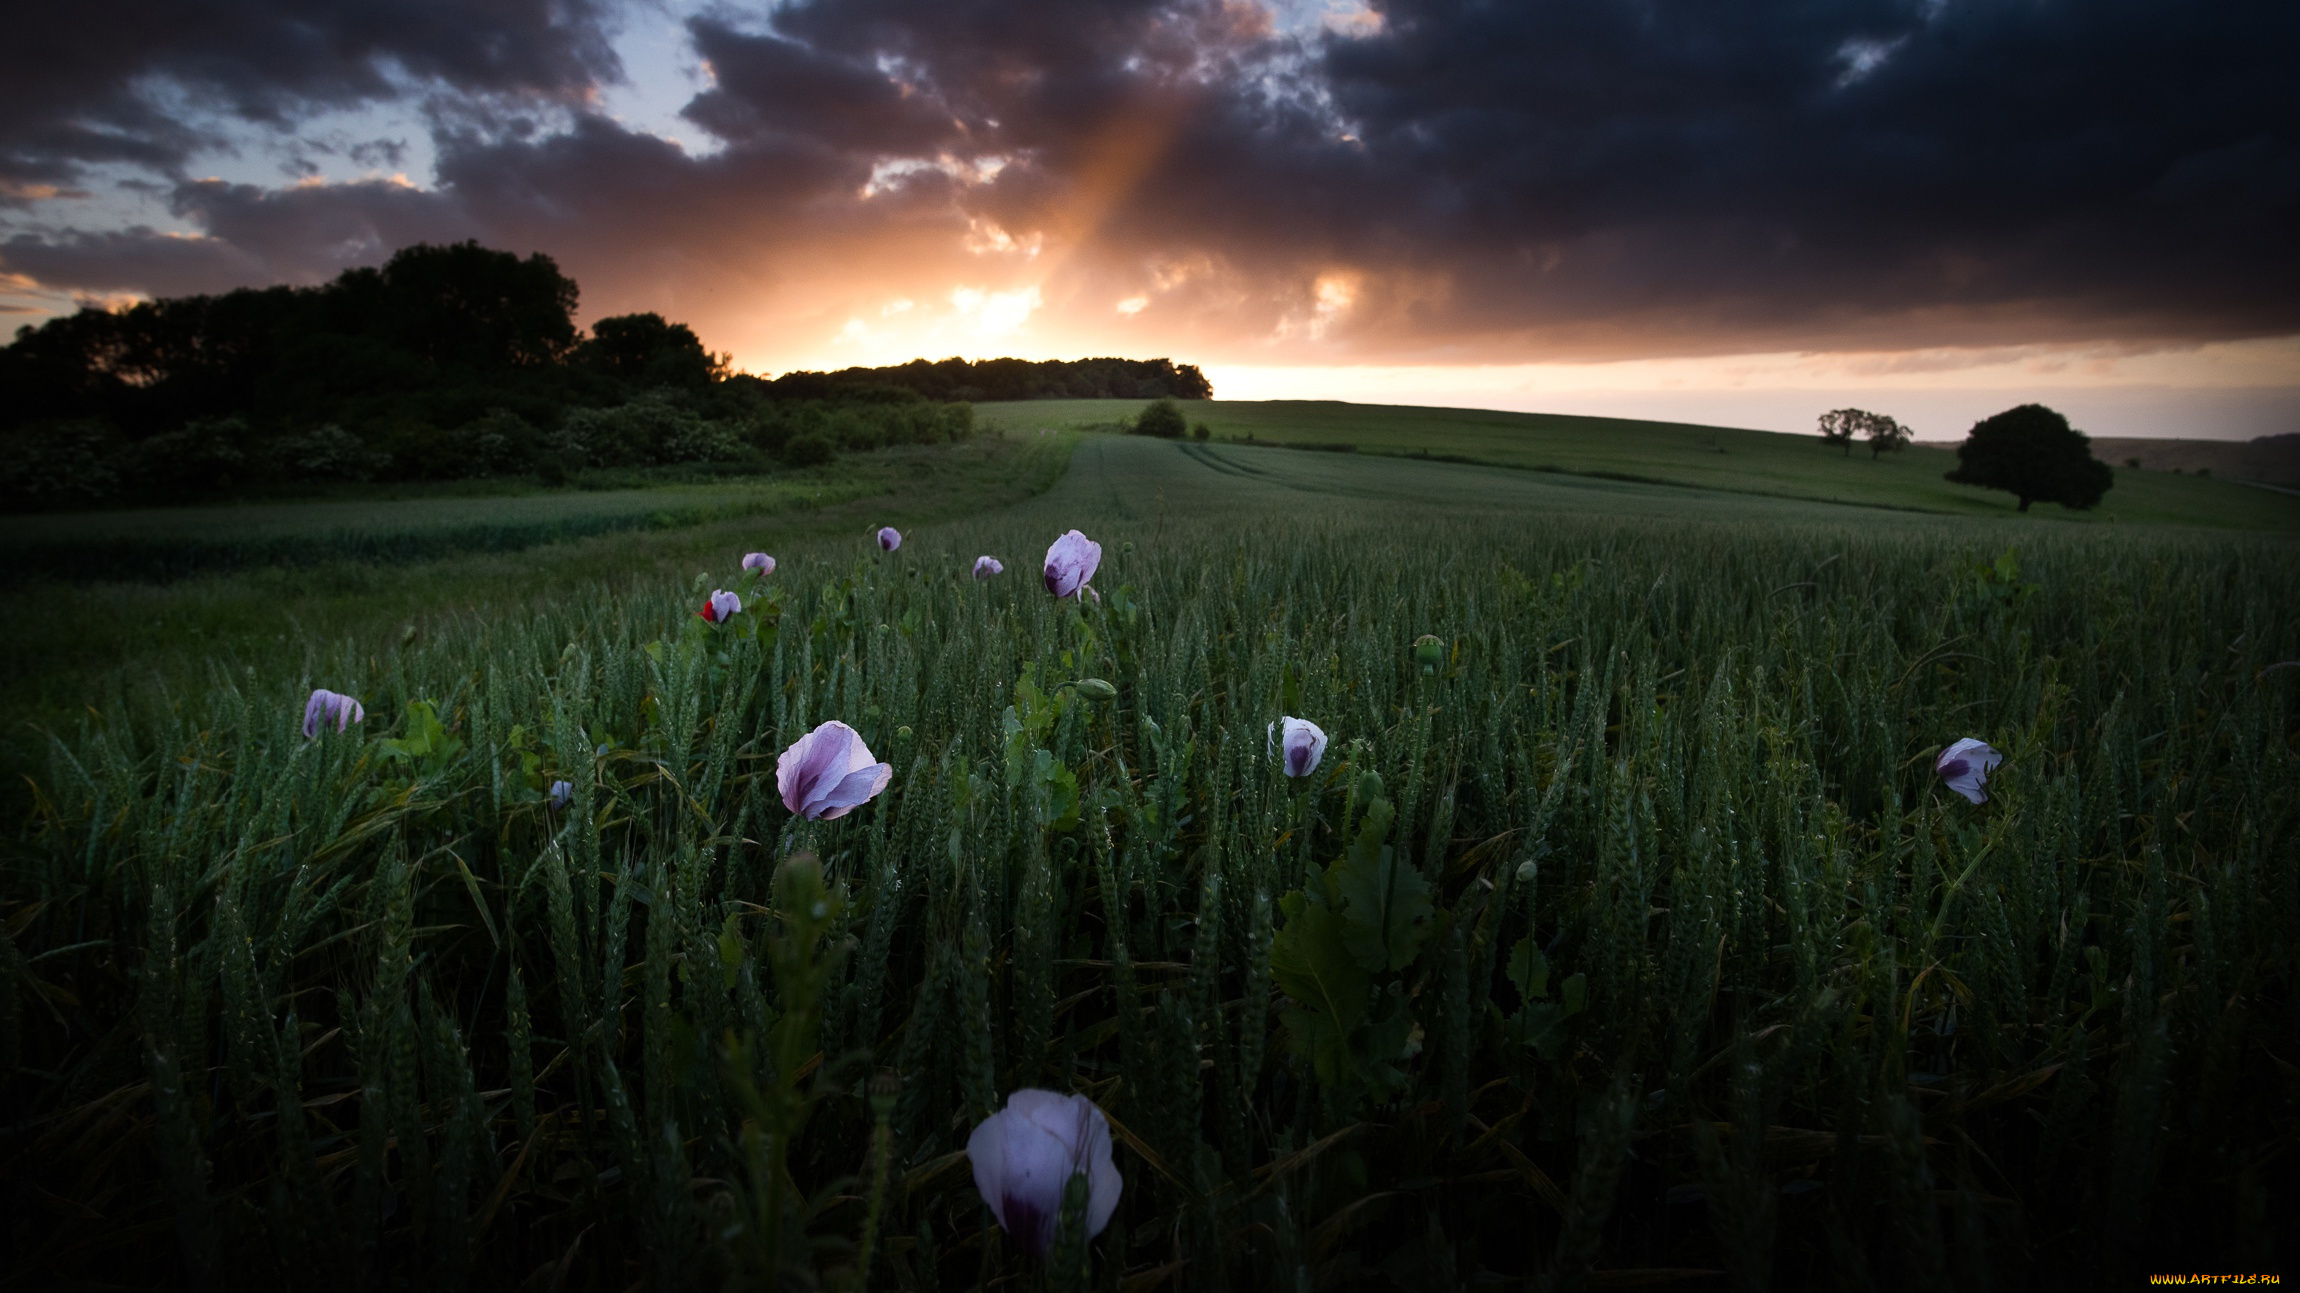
(1306, 197)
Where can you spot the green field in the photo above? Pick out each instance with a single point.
(169, 542)
(1629, 940)
(94, 630)
(1714, 458)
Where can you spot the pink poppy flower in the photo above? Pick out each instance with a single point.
(1070, 562)
(829, 773)
(1025, 1154)
(1305, 744)
(985, 567)
(759, 563)
(889, 538)
(1966, 765)
(719, 606)
(325, 705)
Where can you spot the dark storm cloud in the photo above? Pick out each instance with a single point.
(1553, 177)
(78, 81)
(1768, 164)
(766, 86)
(132, 260)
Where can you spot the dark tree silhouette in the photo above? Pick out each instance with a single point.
(648, 350)
(468, 306)
(1010, 379)
(1886, 435)
(2033, 454)
(1841, 427)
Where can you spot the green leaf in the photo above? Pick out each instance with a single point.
(1057, 788)
(1529, 969)
(1385, 904)
(426, 742)
(1312, 965)
(1388, 1036)
(732, 952)
(1575, 994)
(1542, 1024)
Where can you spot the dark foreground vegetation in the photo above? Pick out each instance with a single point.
(445, 363)
(1622, 934)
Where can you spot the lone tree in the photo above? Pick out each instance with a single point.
(1844, 426)
(2033, 454)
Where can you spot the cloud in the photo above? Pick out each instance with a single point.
(138, 261)
(149, 81)
(1406, 181)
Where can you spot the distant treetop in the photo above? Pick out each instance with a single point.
(1011, 379)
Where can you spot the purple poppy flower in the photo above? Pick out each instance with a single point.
(759, 563)
(562, 794)
(1070, 562)
(889, 538)
(829, 773)
(985, 567)
(1025, 1154)
(325, 705)
(1965, 766)
(720, 606)
(1305, 744)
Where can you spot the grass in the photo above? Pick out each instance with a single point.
(1678, 959)
(1714, 458)
(166, 543)
(70, 643)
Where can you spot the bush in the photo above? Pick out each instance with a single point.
(808, 449)
(498, 440)
(70, 463)
(654, 428)
(1163, 419)
(561, 454)
(1202, 431)
(325, 453)
(420, 450)
(694, 440)
(204, 457)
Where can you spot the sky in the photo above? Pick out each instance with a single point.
(1744, 213)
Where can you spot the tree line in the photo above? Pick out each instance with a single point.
(1023, 379)
(446, 362)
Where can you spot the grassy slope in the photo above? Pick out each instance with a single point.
(1719, 458)
(265, 521)
(2273, 460)
(66, 647)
